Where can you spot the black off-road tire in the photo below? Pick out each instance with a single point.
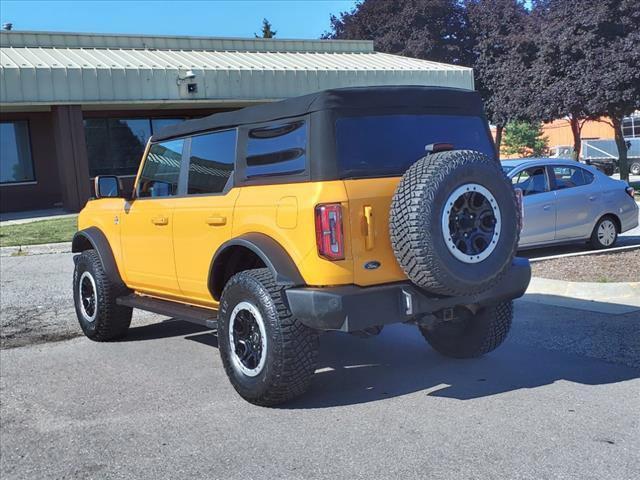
(595, 241)
(291, 347)
(111, 321)
(474, 336)
(634, 168)
(416, 231)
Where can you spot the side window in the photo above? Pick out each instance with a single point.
(569, 177)
(211, 161)
(277, 150)
(161, 170)
(531, 180)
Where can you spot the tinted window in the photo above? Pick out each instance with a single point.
(161, 170)
(388, 145)
(115, 145)
(15, 153)
(569, 177)
(277, 149)
(211, 162)
(531, 180)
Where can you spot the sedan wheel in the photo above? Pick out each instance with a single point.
(604, 234)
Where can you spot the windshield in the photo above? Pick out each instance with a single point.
(388, 145)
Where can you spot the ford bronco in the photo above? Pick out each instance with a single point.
(345, 210)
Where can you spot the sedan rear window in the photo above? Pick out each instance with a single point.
(388, 145)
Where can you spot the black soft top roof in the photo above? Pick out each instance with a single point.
(384, 97)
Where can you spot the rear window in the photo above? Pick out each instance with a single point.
(387, 145)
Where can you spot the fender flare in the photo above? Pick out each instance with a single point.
(94, 238)
(273, 255)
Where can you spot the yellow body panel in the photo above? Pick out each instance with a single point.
(164, 246)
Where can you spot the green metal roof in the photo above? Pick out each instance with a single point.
(70, 68)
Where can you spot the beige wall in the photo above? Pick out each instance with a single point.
(559, 133)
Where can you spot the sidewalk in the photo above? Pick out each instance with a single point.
(15, 218)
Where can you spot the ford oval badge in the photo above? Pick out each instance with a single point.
(372, 265)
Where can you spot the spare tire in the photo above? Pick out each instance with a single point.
(454, 222)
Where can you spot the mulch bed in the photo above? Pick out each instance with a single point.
(621, 266)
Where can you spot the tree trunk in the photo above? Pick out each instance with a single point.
(622, 148)
(575, 130)
(499, 129)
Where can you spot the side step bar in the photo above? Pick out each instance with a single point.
(202, 316)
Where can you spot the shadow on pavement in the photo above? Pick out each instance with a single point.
(164, 329)
(352, 370)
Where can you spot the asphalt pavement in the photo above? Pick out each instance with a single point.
(560, 399)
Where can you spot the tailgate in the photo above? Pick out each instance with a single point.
(368, 224)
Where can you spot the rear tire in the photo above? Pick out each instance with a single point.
(634, 168)
(605, 233)
(471, 335)
(268, 355)
(94, 295)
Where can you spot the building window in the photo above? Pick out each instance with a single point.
(16, 164)
(161, 170)
(115, 145)
(277, 150)
(631, 126)
(211, 161)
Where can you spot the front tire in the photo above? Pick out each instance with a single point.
(605, 233)
(634, 168)
(94, 295)
(268, 355)
(470, 335)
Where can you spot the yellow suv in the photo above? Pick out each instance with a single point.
(344, 210)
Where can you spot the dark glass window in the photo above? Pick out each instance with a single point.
(16, 164)
(569, 177)
(115, 145)
(277, 150)
(161, 170)
(387, 145)
(211, 162)
(531, 181)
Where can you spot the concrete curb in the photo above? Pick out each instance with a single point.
(612, 298)
(43, 249)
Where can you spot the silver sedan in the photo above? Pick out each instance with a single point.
(565, 202)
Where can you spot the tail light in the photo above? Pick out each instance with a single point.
(329, 234)
(630, 191)
(520, 203)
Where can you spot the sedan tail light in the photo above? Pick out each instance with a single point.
(630, 191)
(329, 234)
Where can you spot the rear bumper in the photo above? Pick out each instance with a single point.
(350, 308)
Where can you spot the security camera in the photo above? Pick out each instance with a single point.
(189, 75)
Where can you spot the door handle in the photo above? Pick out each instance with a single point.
(547, 207)
(369, 235)
(592, 198)
(216, 220)
(160, 220)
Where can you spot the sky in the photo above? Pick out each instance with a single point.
(222, 18)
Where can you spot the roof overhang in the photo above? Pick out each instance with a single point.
(40, 68)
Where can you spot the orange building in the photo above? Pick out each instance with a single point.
(558, 132)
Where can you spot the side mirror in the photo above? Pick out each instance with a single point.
(107, 186)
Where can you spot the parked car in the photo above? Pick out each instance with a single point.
(565, 202)
(343, 210)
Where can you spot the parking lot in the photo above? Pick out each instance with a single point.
(558, 400)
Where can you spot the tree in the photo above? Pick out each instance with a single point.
(267, 32)
(429, 29)
(524, 139)
(504, 52)
(613, 60)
